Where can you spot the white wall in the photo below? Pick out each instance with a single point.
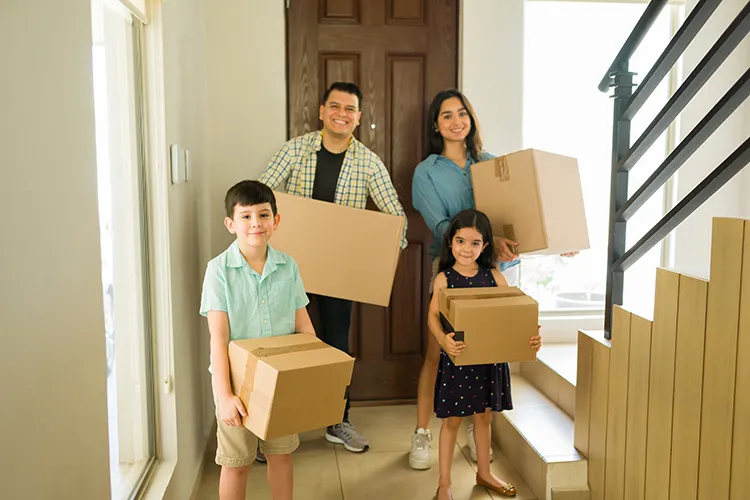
(491, 62)
(53, 425)
(184, 39)
(246, 100)
(693, 237)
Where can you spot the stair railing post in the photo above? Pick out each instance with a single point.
(622, 82)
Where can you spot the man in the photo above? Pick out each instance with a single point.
(331, 165)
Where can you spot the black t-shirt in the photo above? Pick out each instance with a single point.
(327, 174)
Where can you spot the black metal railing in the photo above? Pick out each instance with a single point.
(627, 104)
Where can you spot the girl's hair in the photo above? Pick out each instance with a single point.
(435, 140)
(479, 221)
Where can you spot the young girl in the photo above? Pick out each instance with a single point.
(468, 259)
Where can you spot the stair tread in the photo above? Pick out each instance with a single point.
(547, 428)
(562, 359)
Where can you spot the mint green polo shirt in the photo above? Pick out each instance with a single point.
(257, 305)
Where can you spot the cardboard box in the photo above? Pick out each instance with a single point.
(289, 383)
(534, 198)
(494, 323)
(341, 251)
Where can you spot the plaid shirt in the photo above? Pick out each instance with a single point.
(362, 174)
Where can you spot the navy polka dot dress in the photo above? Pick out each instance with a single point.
(465, 390)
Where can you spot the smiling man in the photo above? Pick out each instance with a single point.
(331, 165)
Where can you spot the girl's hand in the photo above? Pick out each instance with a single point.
(535, 342)
(450, 346)
(232, 410)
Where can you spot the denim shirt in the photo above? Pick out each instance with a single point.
(440, 190)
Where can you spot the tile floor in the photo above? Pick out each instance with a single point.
(326, 472)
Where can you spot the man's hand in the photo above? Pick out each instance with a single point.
(450, 346)
(504, 252)
(232, 410)
(569, 254)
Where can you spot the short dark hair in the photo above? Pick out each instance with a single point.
(479, 221)
(347, 87)
(248, 193)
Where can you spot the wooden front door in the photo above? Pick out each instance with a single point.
(400, 53)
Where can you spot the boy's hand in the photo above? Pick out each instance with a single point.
(450, 346)
(535, 342)
(232, 410)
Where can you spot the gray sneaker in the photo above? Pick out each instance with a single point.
(260, 456)
(346, 434)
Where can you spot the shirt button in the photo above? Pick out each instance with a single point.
(265, 321)
(262, 301)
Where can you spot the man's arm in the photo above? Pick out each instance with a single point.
(385, 196)
(279, 168)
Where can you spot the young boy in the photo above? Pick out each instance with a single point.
(250, 291)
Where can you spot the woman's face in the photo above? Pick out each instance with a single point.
(453, 122)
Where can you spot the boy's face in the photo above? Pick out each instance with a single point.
(254, 224)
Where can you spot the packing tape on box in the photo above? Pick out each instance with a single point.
(502, 172)
(267, 352)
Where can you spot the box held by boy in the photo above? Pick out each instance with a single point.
(535, 198)
(495, 323)
(342, 252)
(289, 383)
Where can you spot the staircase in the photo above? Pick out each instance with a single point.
(651, 410)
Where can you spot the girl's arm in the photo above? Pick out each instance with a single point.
(433, 320)
(499, 278)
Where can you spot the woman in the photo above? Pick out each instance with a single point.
(441, 189)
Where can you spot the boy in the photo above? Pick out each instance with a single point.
(249, 291)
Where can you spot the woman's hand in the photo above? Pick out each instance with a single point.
(535, 342)
(504, 252)
(450, 346)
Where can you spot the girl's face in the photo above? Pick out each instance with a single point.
(453, 122)
(467, 245)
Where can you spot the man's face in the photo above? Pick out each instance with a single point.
(340, 114)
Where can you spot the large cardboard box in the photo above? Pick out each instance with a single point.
(494, 323)
(341, 251)
(289, 383)
(534, 198)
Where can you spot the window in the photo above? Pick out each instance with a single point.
(568, 46)
(122, 216)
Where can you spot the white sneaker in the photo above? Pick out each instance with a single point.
(419, 456)
(473, 445)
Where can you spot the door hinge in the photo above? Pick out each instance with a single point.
(287, 3)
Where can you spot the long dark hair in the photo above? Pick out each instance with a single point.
(435, 140)
(479, 221)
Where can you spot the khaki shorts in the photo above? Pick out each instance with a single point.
(236, 446)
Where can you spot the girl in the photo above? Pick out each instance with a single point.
(468, 259)
(441, 189)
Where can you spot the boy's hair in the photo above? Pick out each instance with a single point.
(248, 193)
(479, 221)
(347, 87)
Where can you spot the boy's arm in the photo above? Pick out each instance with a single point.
(231, 409)
(385, 196)
(302, 322)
